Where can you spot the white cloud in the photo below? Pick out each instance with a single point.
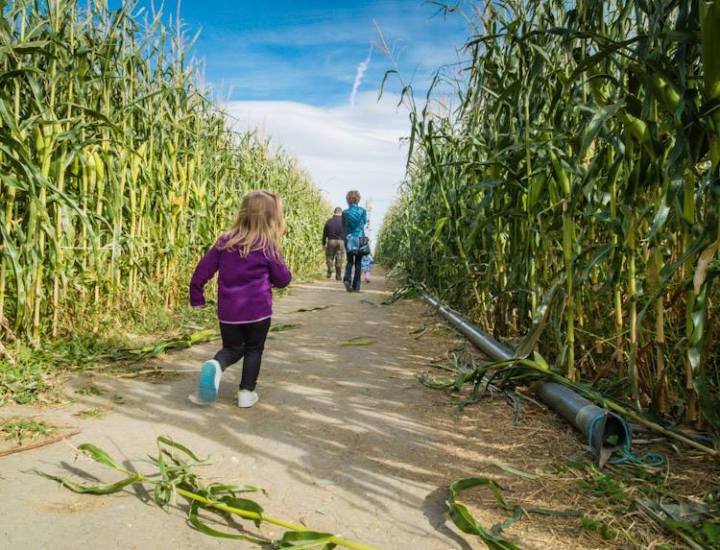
(359, 73)
(342, 147)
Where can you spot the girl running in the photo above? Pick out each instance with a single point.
(249, 264)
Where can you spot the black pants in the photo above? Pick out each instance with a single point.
(246, 340)
(352, 269)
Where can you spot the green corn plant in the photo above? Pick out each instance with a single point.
(582, 151)
(175, 478)
(118, 171)
(710, 23)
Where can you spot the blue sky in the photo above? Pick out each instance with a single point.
(308, 50)
(288, 68)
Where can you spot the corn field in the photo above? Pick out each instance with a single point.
(116, 171)
(577, 168)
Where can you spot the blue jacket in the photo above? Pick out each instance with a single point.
(367, 262)
(354, 221)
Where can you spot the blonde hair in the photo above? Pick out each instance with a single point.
(260, 225)
(353, 197)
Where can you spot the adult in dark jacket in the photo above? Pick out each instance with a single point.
(333, 243)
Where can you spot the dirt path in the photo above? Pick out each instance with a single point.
(344, 439)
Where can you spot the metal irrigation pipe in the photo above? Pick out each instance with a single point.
(606, 431)
(489, 346)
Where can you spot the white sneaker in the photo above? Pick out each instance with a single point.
(247, 398)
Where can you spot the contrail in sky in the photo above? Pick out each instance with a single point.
(361, 68)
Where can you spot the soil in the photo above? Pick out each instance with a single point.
(344, 439)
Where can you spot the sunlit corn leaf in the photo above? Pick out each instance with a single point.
(435, 383)
(540, 360)
(164, 440)
(244, 504)
(164, 492)
(101, 456)
(702, 280)
(96, 489)
(596, 124)
(466, 522)
(195, 521)
(180, 480)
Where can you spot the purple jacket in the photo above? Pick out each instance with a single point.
(244, 284)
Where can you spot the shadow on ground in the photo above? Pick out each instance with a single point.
(344, 438)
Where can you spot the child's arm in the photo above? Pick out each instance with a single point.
(204, 271)
(280, 275)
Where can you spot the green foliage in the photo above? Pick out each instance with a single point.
(175, 476)
(22, 382)
(581, 153)
(597, 526)
(21, 429)
(29, 378)
(600, 484)
(467, 523)
(707, 535)
(118, 172)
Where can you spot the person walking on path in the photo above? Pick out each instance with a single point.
(249, 264)
(354, 220)
(366, 266)
(332, 241)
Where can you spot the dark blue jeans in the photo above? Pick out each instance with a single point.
(354, 260)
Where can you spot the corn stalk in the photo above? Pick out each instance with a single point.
(584, 150)
(117, 171)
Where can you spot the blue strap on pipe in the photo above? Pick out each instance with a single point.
(649, 458)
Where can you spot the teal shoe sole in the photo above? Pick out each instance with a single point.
(206, 389)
